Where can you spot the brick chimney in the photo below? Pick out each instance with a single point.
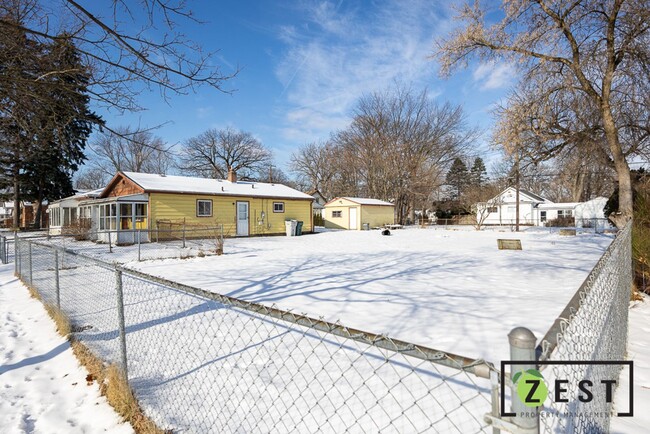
(232, 175)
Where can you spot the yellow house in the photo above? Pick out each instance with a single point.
(140, 201)
(355, 213)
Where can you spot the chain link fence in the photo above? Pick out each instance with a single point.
(6, 249)
(146, 244)
(204, 362)
(592, 327)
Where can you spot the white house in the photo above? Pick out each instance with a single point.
(319, 201)
(592, 213)
(67, 211)
(6, 214)
(535, 209)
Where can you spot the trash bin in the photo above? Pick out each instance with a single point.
(290, 226)
(365, 226)
(299, 228)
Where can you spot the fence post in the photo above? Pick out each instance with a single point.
(139, 237)
(183, 235)
(29, 258)
(17, 270)
(56, 279)
(120, 320)
(522, 347)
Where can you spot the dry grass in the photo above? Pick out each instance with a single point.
(60, 319)
(34, 293)
(115, 387)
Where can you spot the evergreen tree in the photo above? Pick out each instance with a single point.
(19, 72)
(44, 117)
(478, 173)
(64, 124)
(458, 177)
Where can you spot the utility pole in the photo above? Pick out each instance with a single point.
(517, 192)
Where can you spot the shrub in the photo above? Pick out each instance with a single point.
(561, 222)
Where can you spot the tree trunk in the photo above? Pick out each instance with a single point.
(577, 192)
(625, 201)
(16, 222)
(39, 212)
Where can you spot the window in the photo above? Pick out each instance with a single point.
(492, 209)
(512, 209)
(542, 216)
(278, 206)
(560, 213)
(141, 216)
(126, 216)
(204, 208)
(108, 217)
(55, 217)
(568, 213)
(336, 213)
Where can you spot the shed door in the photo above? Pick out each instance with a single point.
(353, 218)
(242, 219)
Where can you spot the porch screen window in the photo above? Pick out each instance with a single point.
(203, 208)
(126, 216)
(66, 216)
(108, 217)
(54, 217)
(141, 216)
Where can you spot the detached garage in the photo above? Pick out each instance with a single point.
(355, 212)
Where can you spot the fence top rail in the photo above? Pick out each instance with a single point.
(550, 340)
(100, 262)
(478, 367)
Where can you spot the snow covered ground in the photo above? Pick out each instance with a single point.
(638, 350)
(449, 289)
(42, 387)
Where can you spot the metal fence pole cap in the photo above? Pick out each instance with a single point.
(521, 337)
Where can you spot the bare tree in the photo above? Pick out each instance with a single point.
(400, 143)
(130, 150)
(127, 51)
(480, 201)
(315, 167)
(91, 178)
(214, 152)
(582, 56)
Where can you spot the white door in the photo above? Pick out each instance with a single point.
(242, 219)
(353, 218)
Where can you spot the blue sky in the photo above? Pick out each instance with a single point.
(304, 65)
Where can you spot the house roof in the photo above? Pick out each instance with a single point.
(314, 192)
(362, 201)
(533, 195)
(81, 195)
(558, 205)
(151, 182)
(526, 195)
